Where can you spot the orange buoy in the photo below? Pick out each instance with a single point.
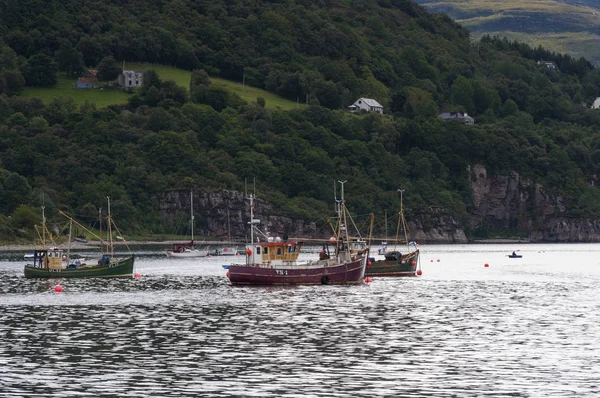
(486, 265)
(419, 272)
(58, 289)
(248, 252)
(332, 239)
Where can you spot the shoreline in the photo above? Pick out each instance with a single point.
(95, 245)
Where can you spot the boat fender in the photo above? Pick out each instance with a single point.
(324, 280)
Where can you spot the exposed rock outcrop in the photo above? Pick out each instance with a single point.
(499, 203)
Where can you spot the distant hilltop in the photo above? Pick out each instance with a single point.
(562, 26)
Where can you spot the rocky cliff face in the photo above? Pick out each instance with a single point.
(225, 215)
(503, 202)
(499, 202)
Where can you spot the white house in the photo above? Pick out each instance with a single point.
(463, 117)
(548, 64)
(596, 104)
(366, 104)
(131, 78)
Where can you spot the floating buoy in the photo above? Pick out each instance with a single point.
(137, 275)
(227, 274)
(413, 263)
(237, 254)
(419, 272)
(332, 239)
(58, 289)
(368, 280)
(322, 251)
(248, 252)
(438, 260)
(209, 256)
(431, 260)
(369, 263)
(486, 265)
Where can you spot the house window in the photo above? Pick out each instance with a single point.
(266, 250)
(279, 251)
(130, 82)
(257, 249)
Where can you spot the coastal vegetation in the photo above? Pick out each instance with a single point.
(193, 129)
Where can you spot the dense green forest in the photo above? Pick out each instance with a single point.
(529, 119)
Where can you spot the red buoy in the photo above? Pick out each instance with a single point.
(332, 239)
(486, 265)
(369, 263)
(58, 289)
(368, 280)
(419, 272)
(137, 275)
(227, 274)
(248, 252)
(413, 263)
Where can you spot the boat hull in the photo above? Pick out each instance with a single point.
(188, 254)
(121, 268)
(407, 265)
(349, 273)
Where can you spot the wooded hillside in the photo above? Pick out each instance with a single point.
(528, 118)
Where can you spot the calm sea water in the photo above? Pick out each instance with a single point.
(526, 327)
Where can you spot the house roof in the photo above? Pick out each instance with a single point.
(370, 102)
(85, 80)
(454, 115)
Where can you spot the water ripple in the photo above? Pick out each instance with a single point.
(182, 331)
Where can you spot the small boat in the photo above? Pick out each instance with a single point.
(274, 261)
(227, 251)
(54, 262)
(80, 239)
(187, 249)
(394, 262)
(515, 255)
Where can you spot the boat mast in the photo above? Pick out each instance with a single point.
(100, 221)
(251, 259)
(401, 221)
(192, 214)
(109, 228)
(343, 232)
(69, 244)
(43, 225)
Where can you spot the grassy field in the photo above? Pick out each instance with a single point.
(182, 77)
(66, 86)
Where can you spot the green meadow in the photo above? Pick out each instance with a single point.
(66, 86)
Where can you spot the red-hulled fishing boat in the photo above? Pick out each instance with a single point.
(274, 261)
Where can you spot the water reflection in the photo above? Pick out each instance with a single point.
(513, 329)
